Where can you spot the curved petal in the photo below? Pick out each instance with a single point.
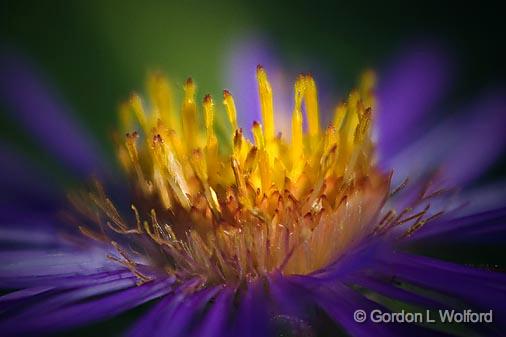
(27, 236)
(484, 197)
(56, 298)
(489, 226)
(175, 313)
(481, 140)
(215, 320)
(480, 288)
(392, 292)
(44, 116)
(24, 268)
(252, 312)
(292, 308)
(461, 147)
(23, 294)
(407, 90)
(340, 302)
(89, 311)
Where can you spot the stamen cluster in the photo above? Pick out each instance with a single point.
(207, 201)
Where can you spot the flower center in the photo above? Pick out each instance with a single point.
(210, 202)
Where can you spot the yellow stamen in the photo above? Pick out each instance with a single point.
(228, 100)
(161, 96)
(258, 135)
(266, 103)
(136, 105)
(297, 132)
(311, 100)
(209, 117)
(339, 114)
(367, 84)
(189, 115)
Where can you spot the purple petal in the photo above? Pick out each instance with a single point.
(28, 224)
(36, 305)
(180, 322)
(46, 118)
(489, 225)
(340, 303)
(481, 140)
(149, 324)
(407, 90)
(214, 323)
(386, 288)
(477, 287)
(79, 294)
(92, 310)
(340, 306)
(253, 312)
(484, 197)
(470, 287)
(23, 294)
(63, 282)
(461, 147)
(26, 236)
(291, 307)
(357, 259)
(175, 313)
(16, 302)
(34, 266)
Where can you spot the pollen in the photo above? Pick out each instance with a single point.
(208, 201)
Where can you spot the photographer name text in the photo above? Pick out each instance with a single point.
(429, 316)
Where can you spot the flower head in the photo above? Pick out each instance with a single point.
(270, 235)
(233, 210)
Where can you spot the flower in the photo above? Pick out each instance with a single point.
(270, 235)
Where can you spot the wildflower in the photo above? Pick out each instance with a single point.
(274, 234)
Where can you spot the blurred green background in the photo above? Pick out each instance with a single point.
(95, 52)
